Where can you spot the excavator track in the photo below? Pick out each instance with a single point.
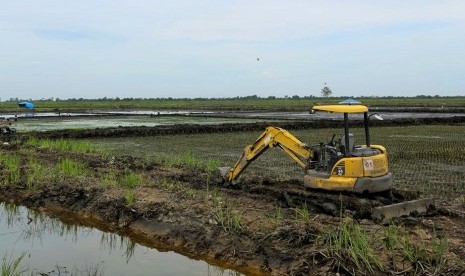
(376, 206)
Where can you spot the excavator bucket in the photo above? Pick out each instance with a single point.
(385, 213)
(224, 172)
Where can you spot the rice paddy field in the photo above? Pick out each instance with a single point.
(428, 158)
(173, 203)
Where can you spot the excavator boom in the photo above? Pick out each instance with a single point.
(298, 151)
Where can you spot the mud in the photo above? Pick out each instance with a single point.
(181, 208)
(189, 128)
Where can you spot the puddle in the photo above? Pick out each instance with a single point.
(52, 247)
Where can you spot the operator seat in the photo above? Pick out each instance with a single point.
(351, 142)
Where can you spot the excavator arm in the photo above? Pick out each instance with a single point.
(298, 151)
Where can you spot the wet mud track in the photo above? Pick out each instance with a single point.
(252, 227)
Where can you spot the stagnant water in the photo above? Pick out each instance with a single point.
(52, 247)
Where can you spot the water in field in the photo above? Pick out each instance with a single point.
(53, 123)
(103, 119)
(55, 248)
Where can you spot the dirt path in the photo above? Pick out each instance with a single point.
(259, 227)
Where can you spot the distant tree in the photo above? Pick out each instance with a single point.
(326, 92)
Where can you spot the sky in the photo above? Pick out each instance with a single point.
(206, 48)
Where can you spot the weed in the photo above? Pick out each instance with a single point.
(130, 197)
(131, 180)
(109, 180)
(70, 167)
(210, 166)
(12, 166)
(350, 242)
(191, 193)
(11, 266)
(277, 217)
(63, 145)
(302, 213)
(170, 185)
(228, 218)
(36, 173)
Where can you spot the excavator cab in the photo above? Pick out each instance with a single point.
(344, 165)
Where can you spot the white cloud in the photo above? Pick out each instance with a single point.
(137, 47)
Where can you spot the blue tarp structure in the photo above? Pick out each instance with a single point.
(27, 105)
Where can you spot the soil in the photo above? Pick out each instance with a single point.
(258, 227)
(189, 128)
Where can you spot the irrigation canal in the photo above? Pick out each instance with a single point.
(52, 247)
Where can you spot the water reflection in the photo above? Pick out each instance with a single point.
(56, 248)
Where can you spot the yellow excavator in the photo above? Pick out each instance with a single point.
(338, 165)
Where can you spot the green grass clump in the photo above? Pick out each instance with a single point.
(71, 167)
(302, 213)
(37, 173)
(63, 145)
(131, 180)
(109, 180)
(130, 197)
(350, 242)
(11, 266)
(228, 218)
(12, 166)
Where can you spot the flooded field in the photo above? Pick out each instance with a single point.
(57, 123)
(51, 247)
(150, 118)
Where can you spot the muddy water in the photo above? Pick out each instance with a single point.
(52, 247)
(150, 118)
(55, 123)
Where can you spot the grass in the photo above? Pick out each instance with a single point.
(131, 180)
(11, 164)
(130, 197)
(351, 243)
(420, 254)
(63, 145)
(12, 266)
(427, 158)
(36, 174)
(360, 252)
(277, 216)
(227, 217)
(168, 184)
(70, 167)
(302, 213)
(109, 180)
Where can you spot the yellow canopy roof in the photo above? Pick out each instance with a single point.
(341, 108)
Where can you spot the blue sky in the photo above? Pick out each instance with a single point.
(204, 48)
